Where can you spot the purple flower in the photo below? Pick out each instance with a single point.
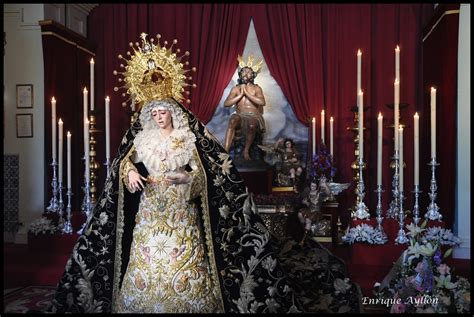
(437, 257)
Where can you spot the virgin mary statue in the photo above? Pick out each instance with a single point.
(175, 228)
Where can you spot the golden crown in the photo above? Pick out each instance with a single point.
(250, 63)
(154, 72)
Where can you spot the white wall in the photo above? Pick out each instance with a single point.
(463, 183)
(23, 64)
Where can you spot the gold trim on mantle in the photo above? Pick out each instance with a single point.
(439, 20)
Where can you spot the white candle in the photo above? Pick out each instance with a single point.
(86, 150)
(361, 124)
(396, 111)
(60, 151)
(107, 128)
(68, 160)
(84, 93)
(359, 71)
(397, 63)
(379, 148)
(53, 127)
(331, 136)
(416, 149)
(433, 122)
(313, 130)
(92, 84)
(322, 126)
(400, 139)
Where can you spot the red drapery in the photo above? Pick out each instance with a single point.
(310, 50)
(214, 34)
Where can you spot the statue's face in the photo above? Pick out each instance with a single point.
(288, 144)
(162, 117)
(313, 186)
(246, 75)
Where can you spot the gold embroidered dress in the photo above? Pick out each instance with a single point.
(168, 269)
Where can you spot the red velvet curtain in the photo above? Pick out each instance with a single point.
(311, 50)
(214, 34)
(441, 73)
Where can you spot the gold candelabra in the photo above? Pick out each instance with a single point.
(94, 165)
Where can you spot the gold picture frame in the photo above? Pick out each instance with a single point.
(24, 125)
(24, 96)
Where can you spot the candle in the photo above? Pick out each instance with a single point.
(92, 84)
(433, 122)
(396, 111)
(400, 139)
(84, 93)
(331, 136)
(379, 148)
(397, 63)
(68, 160)
(416, 149)
(60, 151)
(86, 150)
(359, 64)
(107, 128)
(361, 124)
(53, 127)
(313, 129)
(322, 126)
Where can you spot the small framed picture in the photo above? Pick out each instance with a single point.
(24, 125)
(24, 96)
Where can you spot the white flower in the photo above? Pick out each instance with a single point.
(414, 230)
(225, 166)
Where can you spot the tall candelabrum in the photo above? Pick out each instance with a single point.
(401, 236)
(94, 165)
(391, 127)
(53, 203)
(86, 205)
(394, 206)
(416, 206)
(362, 211)
(356, 167)
(432, 212)
(378, 212)
(67, 227)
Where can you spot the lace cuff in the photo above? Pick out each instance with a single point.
(126, 166)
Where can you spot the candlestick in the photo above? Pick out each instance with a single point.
(67, 227)
(331, 136)
(416, 207)
(379, 148)
(397, 63)
(433, 209)
(401, 236)
(393, 210)
(361, 125)
(362, 210)
(416, 149)
(60, 151)
(92, 83)
(68, 160)
(107, 127)
(433, 122)
(314, 135)
(378, 212)
(400, 140)
(359, 70)
(396, 112)
(86, 150)
(53, 127)
(322, 126)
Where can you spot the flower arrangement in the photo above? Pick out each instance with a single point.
(42, 225)
(419, 282)
(364, 233)
(322, 164)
